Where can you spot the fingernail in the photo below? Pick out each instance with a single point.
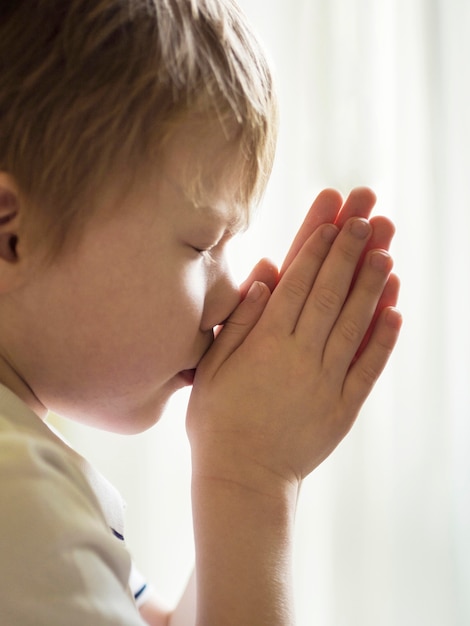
(254, 292)
(380, 260)
(360, 228)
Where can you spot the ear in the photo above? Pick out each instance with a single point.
(10, 270)
(8, 225)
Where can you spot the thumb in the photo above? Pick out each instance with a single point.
(237, 327)
(265, 272)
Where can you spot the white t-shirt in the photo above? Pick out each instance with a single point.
(62, 556)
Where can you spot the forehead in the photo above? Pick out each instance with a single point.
(206, 167)
(215, 210)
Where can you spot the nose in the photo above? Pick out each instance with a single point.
(222, 297)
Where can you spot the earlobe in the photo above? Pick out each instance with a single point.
(8, 245)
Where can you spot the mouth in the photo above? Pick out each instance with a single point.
(188, 376)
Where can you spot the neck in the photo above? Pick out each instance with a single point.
(18, 385)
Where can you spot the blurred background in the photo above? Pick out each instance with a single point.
(373, 92)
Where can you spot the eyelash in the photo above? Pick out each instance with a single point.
(207, 251)
(203, 251)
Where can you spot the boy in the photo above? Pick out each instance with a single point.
(134, 137)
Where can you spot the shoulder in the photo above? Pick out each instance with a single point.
(54, 540)
(36, 470)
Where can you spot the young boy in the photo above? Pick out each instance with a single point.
(135, 135)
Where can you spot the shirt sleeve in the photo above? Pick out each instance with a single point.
(60, 563)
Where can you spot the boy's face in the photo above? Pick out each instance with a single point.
(111, 329)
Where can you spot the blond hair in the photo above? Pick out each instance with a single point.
(86, 85)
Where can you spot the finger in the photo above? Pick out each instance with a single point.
(359, 203)
(289, 297)
(237, 327)
(389, 298)
(264, 272)
(357, 313)
(383, 231)
(324, 210)
(333, 284)
(329, 207)
(390, 294)
(366, 370)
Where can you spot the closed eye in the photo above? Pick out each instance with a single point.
(203, 250)
(206, 254)
(207, 250)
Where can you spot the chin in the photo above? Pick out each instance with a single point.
(128, 413)
(137, 421)
(121, 420)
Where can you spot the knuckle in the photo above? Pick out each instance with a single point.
(234, 325)
(296, 288)
(350, 253)
(386, 345)
(351, 331)
(371, 285)
(327, 299)
(317, 250)
(369, 374)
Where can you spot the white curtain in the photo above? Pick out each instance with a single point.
(372, 92)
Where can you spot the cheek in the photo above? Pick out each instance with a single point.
(179, 301)
(192, 294)
(156, 324)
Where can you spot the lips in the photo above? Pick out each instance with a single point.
(188, 376)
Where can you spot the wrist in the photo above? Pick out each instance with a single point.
(243, 537)
(238, 469)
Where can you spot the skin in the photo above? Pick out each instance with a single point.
(306, 341)
(113, 321)
(107, 329)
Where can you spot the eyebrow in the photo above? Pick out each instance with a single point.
(238, 217)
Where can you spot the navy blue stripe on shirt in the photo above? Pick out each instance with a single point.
(140, 592)
(116, 534)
